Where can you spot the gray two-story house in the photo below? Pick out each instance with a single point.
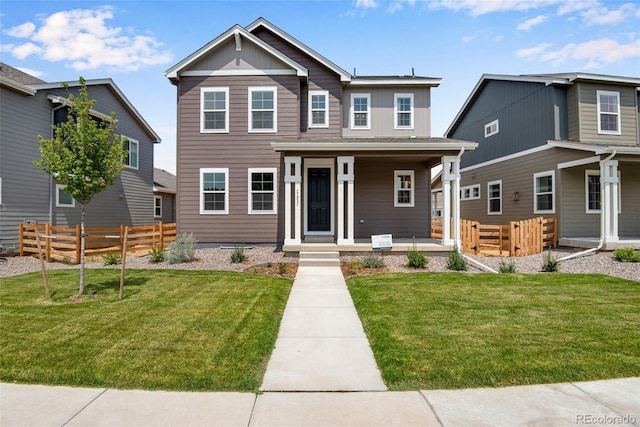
(29, 107)
(554, 145)
(277, 144)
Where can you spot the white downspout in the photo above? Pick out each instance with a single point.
(602, 216)
(456, 223)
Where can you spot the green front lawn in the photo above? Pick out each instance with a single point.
(452, 330)
(174, 330)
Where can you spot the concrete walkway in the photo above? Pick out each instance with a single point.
(598, 403)
(321, 344)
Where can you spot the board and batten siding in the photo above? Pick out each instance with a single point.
(374, 200)
(237, 150)
(382, 112)
(585, 103)
(528, 115)
(25, 188)
(250, 57)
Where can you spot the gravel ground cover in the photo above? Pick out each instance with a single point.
(257, 256)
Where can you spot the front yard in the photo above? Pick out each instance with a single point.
(446, 331)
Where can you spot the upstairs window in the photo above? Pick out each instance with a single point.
(131, 147)
(214, 193)
(491, 128)
(214, 117)
(608, 112)
(360, 111)
(262, 191)
(263, 109)
(64, 199)
(318, 109)
(403, 189)
(403, 110)
(494, 198)
(544, 192)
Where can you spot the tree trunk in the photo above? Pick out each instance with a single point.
(82, 240)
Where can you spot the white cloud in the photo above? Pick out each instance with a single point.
(595, 53)
(530, 23)
(366, 4)
(83, 38)
(603, 16)
(31, 72)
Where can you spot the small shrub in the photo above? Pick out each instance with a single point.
(237, 256)
(456, 261)
(182, 249)
(416, 259)
(112, 258)
(372, 261)
(157, 255)
(282, 268)
(268, 264)
(507, 267)
(626, 255)
(355, 266)
(550, 263)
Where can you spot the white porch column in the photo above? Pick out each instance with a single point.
(292, 184)
(451, 200)
(609, 201)
(345, 175)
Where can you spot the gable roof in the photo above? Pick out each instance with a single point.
(17, 80)
(564, 79)
(116, 90)
(163, 181)
(236, 32)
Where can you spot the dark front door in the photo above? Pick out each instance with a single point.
(319, 203)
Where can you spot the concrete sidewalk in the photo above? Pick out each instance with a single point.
(608, 402)
(321, 344)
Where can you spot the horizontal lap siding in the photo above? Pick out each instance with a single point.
(374, 196)
(238, 150)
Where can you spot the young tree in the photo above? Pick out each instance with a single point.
(85, 155)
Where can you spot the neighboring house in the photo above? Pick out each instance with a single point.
(554, 145)
(164, 195)
(29, 107)
(278, 144)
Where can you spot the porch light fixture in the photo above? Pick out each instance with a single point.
(516, 196)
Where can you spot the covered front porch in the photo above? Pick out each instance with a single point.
(340, 193)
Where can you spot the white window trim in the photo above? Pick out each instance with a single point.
(488, 126)
(224, 89)
(609, 93)
(273, 89)
(226, 193)
(59, 188)
(155, 198)
(551, 173)
(489, 184)
(324, 93)
(352, 112)
(586, 192)
(397, 173)
(471, 196)
(396, 96)
(0, 191)
(274, 171)
(137, 144)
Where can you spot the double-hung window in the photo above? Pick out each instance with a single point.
(544, 192)
(262, 190)
(403, 189)
(214, 190)
(64, 199)
(593, 194)
(360, 111)
(608, 112)
(214, 110)
(403, 103)
(263, 109)
(494, 198)
(318, 108)
(157, 206)
(131, 147)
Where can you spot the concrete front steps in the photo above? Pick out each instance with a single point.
(319, 259)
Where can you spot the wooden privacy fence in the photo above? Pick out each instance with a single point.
(63, 243)
(518, 238)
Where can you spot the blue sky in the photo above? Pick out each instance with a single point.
(135, 42)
